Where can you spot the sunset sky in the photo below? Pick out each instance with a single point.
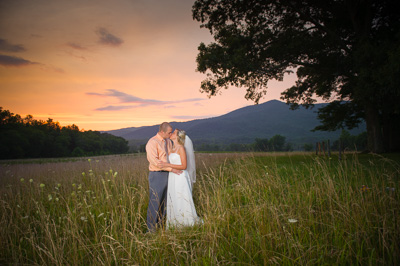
(105, 65)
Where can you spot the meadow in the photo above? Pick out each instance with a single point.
(258, 208)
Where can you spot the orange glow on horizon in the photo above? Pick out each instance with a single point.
(103, 65)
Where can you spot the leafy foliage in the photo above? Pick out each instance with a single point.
(29, 138)
(343, 51)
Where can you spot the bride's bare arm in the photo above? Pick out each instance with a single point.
(182, 154)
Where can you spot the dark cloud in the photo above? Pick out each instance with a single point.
(7, 60)
(76, 46)
(107, 38)
(126, 98)
(5, 46)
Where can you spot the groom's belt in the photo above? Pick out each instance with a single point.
(159, 171)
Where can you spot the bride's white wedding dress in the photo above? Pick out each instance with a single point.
(180, 206)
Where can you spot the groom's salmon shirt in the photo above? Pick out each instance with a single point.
(155, 149)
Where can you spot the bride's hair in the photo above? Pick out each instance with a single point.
(181, 137)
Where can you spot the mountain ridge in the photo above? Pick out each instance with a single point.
(245, 124)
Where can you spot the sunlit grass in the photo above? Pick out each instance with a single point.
(257, 208)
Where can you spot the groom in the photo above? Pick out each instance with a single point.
(158, 148)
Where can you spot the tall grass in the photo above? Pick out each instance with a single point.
(257, 209)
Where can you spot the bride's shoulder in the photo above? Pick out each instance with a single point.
(179, 148)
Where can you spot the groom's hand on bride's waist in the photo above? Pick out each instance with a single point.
(175, 171)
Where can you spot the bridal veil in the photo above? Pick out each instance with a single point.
(191, 163)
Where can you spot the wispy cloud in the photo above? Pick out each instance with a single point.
(139, 102)
(13, 61)
(126, 98)
(107, 38)
(5, 46)
(76, 46)
(186, 117)
(117, 108)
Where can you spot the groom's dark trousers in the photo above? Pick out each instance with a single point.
(156, 212)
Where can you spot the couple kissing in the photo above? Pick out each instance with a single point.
(172, 172)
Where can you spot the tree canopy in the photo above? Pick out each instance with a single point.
(345, 51)
(30, 138)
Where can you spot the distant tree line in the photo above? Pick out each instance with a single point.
(30, 138)
(351, 142)
(346, 141)
(278, 143)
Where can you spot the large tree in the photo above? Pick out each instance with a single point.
(345, 51)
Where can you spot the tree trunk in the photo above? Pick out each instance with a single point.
(374, 129)
(391, 132)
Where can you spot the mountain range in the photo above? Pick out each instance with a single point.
(246, 124)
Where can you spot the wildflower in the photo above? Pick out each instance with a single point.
(89, 160)
(83, 173)
(97, 161)
(42, 185)
(80, 186)
(101, 214)
(74, 185)
(115, 174)
(58, 185)
(364, 188)
(83, 218)
(25, 217)
(73, 193)
(292, 221)
(50, 197)
(22, 179)
(31, 180)
(57, 199)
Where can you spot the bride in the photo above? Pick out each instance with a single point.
(180, 206)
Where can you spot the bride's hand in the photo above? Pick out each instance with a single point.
(175, 171)
(161, 164)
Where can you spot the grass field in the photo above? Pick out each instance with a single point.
(261, 208)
